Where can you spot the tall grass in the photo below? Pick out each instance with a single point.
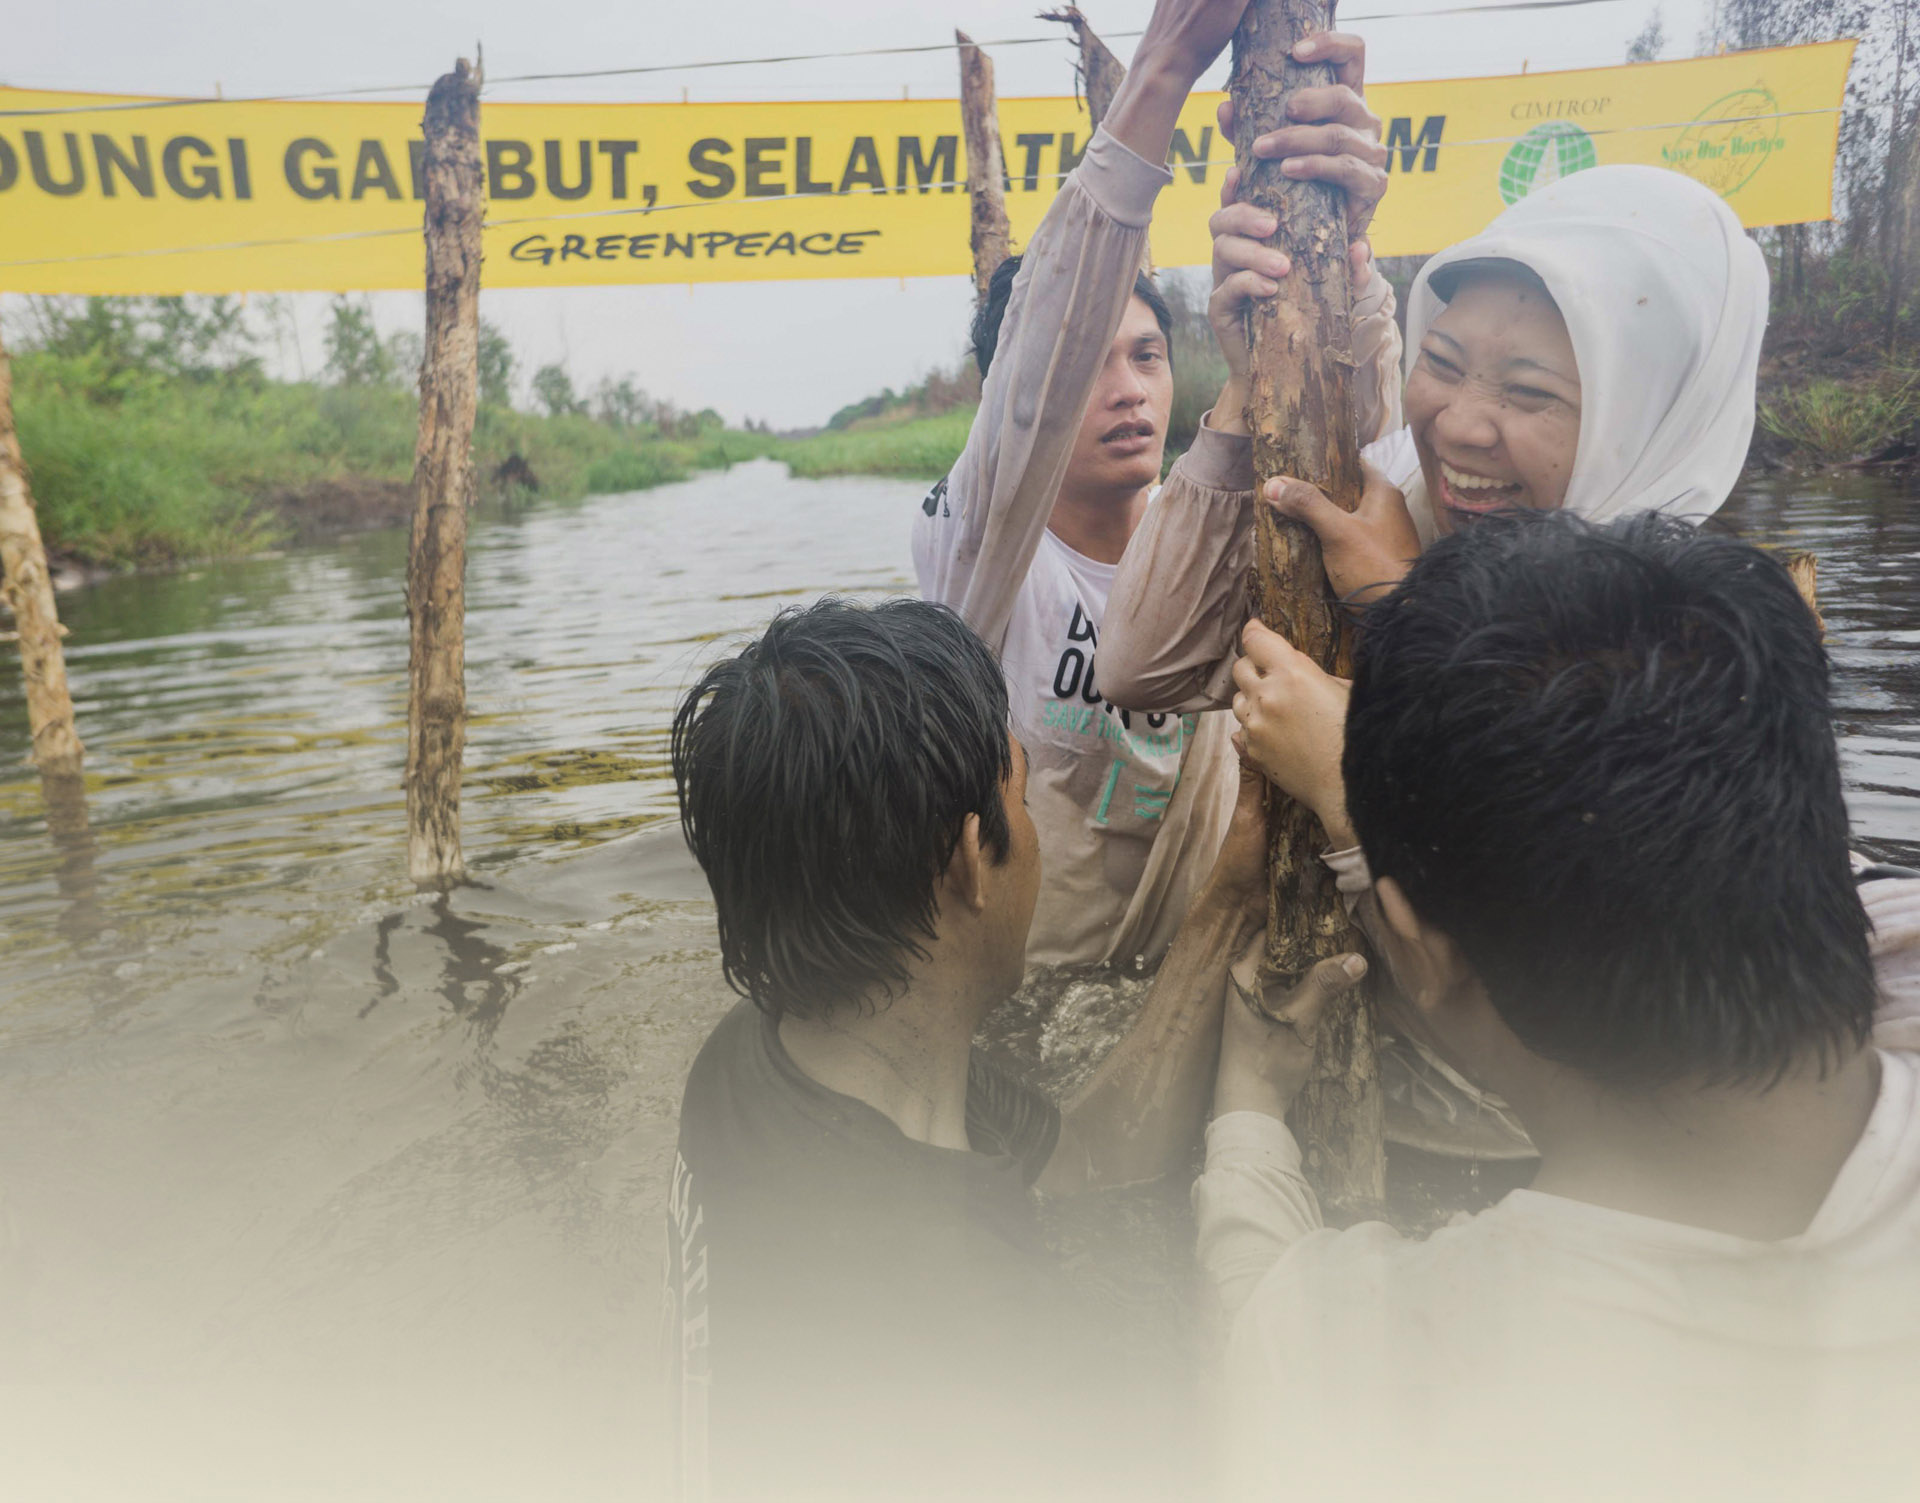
(920, 448)
(151, 470)
(1837, 421)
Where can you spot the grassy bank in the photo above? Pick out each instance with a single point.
(145, 470)
(1871, 418)
(921, 448)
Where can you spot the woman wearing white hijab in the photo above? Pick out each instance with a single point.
(1594, 349)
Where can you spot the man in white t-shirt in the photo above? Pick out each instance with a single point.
(1024, 535)
(1594, 776)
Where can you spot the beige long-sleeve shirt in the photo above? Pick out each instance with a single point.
(1131, 803)
(1181, 596)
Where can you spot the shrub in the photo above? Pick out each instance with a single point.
(1834, 421)
(633, 470)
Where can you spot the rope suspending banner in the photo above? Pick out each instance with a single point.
(324, 196)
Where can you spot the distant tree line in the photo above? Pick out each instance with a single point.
(114, 341)
(1848, 284)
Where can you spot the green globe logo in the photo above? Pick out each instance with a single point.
(1544, 155)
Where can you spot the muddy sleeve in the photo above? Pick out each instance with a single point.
(1376, 360)
(974, 547)
(1180, 594)
(1249, 1205)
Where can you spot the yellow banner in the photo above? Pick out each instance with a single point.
(108, 195)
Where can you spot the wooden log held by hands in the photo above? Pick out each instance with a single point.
(443, 480)
(1300, 410)
(986, 172)
(29, 592)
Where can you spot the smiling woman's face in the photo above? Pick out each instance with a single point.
(1494, 401)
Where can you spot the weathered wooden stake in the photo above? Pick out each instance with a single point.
(29, 591)
(443, 480)
(1300, 408)
(1100, 74)
(986, 172)
(1100, 71)
(1805, 570)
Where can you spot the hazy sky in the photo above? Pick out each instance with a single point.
(787, 352)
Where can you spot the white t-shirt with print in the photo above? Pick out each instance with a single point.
(1100, 779)
(1125, 841)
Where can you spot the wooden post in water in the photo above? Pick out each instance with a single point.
(443, 480)
(1300, 409)
(29, 591)
(986, 172)
(1805, 571)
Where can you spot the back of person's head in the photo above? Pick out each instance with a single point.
(825, 773)
(992, 311)
(1602, 761)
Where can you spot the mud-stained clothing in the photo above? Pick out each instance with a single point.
(848, 1307)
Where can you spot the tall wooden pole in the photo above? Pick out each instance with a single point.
(986, 171)
(1300, 409)
(1100, 75)
(29, 592)
(443, 480)
(57, 751)
(1100, 71)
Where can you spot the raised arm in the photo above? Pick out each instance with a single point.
(976, 542)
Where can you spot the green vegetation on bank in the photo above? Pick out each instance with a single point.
(153, 435)
(1840, 422)
(921, 448)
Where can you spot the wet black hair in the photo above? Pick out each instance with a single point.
(1602, 760)
(825, 773)
(988, 317)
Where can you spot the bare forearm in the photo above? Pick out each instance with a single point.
(1147, 105)
(1182, 39)
(1142, 1112)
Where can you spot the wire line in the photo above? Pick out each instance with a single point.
(736, 62)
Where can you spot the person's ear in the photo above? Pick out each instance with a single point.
(1427, 964)
(967, 871)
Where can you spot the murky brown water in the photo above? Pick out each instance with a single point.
(313, 1188)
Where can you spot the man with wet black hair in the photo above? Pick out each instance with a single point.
(1594, 776)
(861, 1302)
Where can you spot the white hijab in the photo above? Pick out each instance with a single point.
(1665, 298)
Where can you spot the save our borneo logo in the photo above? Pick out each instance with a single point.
(1729, 141)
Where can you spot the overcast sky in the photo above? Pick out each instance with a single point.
(787, 352)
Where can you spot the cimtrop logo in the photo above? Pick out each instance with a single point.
(1545, 154)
